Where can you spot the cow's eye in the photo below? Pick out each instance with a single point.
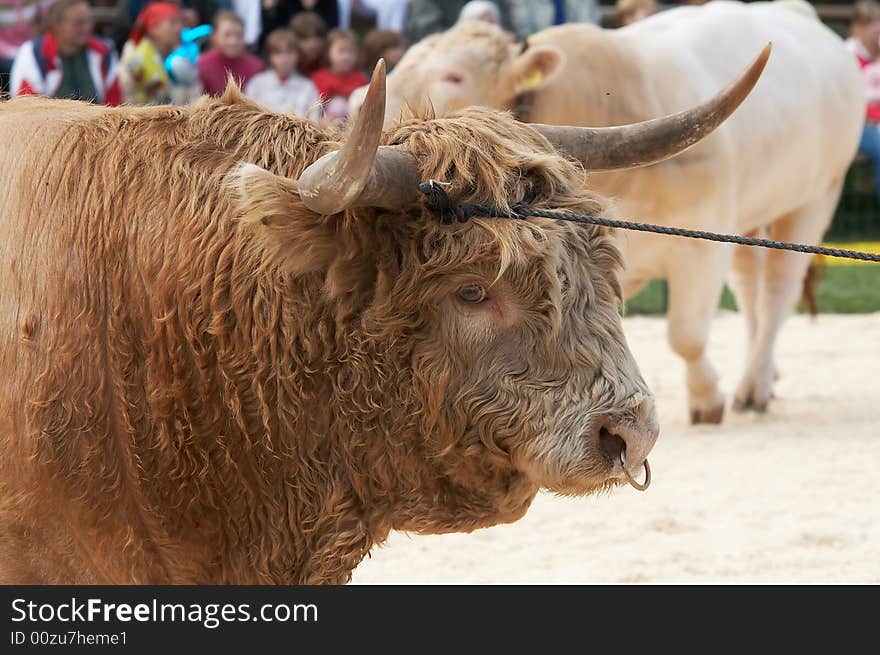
(473, 293)
(453, 78)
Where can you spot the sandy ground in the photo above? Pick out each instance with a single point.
(791, 496)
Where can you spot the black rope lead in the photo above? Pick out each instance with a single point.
(448, 213)
(440, 203)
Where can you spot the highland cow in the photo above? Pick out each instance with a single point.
(238, 348)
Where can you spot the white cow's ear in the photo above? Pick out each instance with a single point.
(270, 207)
(536, 67)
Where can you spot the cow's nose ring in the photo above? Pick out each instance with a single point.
(641, 486)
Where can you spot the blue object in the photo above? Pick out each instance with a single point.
(870, 146)
(182, 59)
(558, 12)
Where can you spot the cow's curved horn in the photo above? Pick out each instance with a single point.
(648, 142)
(362, 173)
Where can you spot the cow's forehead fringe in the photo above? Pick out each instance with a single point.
(485, 156)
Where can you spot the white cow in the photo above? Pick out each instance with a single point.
(775, 167)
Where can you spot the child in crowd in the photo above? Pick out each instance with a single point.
(227, 56)
(864, 43)
(280, 87)
(382, 44)
(311, 36)
(156, 32)
(632, 11)
(342, 77)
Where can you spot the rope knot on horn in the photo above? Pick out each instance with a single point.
(440, 204)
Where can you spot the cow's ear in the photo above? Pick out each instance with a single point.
(535, 68)
(290, 234)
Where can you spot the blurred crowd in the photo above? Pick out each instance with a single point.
(864, 43)
(303, 56)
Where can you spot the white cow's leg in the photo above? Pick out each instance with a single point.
(745, 281)
(696, 276)
(780, 290)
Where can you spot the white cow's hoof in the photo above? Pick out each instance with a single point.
(749, 405)
(713, 416)
(752, 399)
(707, 408)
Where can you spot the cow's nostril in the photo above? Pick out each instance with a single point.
(612, 445)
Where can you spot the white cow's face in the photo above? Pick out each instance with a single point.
(472, 64)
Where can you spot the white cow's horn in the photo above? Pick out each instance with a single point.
(648, 142)
(362, 174)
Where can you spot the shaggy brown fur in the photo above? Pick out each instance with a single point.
(204, 382)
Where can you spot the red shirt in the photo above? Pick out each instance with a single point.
(871, 75)
(873, 111)
(307, 70)
(331, 85)
(213, 67)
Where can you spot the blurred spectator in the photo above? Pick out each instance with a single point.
(336, 82)
(205, 9)
(20, 21)
(631, 11)
(189, 16)
(193, 12)
(311, 35)
(280, 87)
(382, 44)
(69, 61)
(275, 14)
(279, 13)
(431, 16)
(154, 35)
(227, 56)
(530, 16)
(388, 14)
(864, 43)
(328, 10)
(251, 14)
(480, 10)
